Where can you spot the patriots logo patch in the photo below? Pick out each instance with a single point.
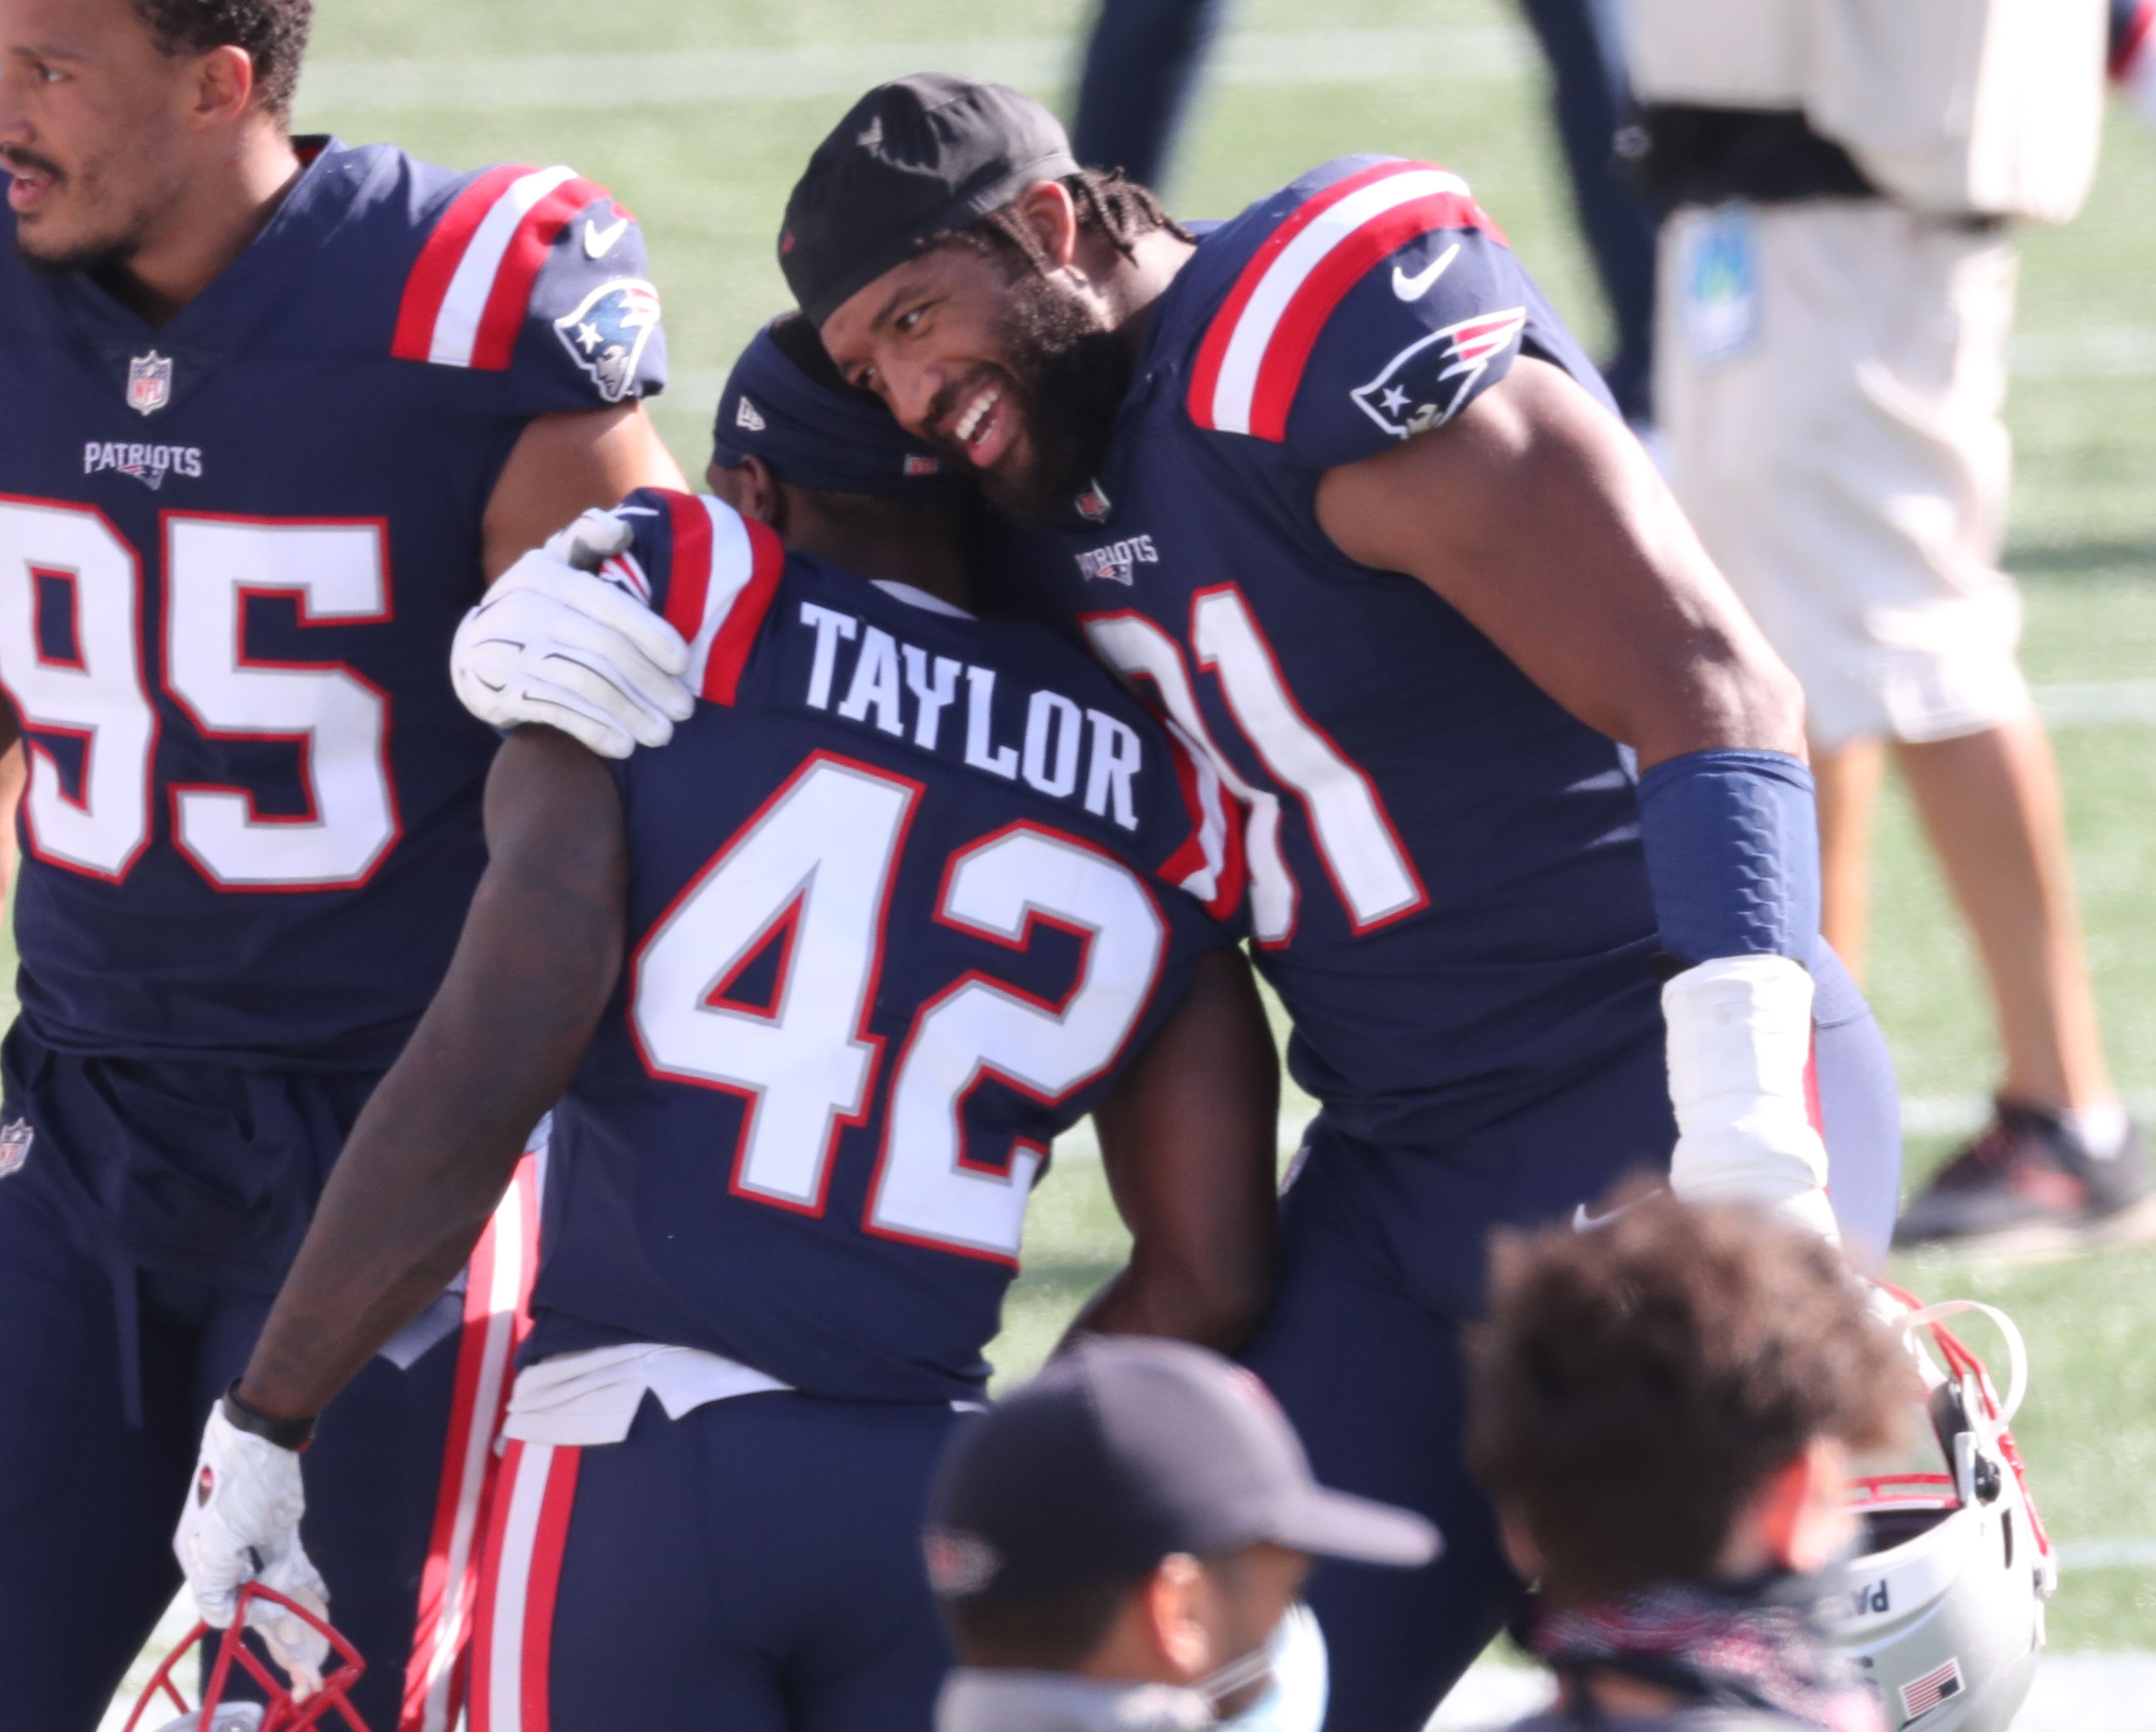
(1423, 385)
(607, 333)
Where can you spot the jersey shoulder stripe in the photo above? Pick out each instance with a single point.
(471, 287)
(1251, 358)
(724, 571)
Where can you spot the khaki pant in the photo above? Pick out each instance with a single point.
(1829, 380)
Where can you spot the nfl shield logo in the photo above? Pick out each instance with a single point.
(149, 382)
(15, 1139)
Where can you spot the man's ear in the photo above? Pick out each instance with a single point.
(751, 488)
(1045, 212)
(1801, 1515)
(1520, 1547)
(1172, 1619)
(223, 87)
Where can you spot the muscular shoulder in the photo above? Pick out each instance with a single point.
(1371, 300)
(536, 273)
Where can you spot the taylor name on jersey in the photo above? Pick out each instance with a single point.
(904, 892)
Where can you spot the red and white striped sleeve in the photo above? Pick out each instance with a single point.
(538, 273)
(722, 572)
(1381, 301)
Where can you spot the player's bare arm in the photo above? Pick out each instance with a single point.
(1539, 515)
(564, 465)
(1187, 1141)
(435, 1148)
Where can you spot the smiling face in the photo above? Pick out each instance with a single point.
(1010, 368)
(93, 124)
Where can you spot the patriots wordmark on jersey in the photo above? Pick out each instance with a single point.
(905, 893)
(1446, 885)
(232, 550)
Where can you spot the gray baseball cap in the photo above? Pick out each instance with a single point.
(1124, 1450)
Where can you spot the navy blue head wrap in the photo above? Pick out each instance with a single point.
(814, 435)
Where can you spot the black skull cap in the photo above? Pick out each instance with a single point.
(912, 160)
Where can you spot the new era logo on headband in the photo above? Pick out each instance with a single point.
(745, 415)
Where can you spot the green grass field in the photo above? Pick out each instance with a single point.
(698, 117)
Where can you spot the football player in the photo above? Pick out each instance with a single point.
(1332, 485)
(276, 409)
(911, 893)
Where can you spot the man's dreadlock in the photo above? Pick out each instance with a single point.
(1108, 203)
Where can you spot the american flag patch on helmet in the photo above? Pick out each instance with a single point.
(1920, 1695)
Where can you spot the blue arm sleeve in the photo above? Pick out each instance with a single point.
(1732, 841)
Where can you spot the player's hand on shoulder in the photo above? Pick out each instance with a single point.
(242, 1523)
(1740, 1036)
(553, 641)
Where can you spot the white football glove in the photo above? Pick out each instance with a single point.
(1740, 1037)
(244, 1505)
(551, 642)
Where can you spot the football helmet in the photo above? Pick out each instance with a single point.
(1943, 1605)
(328, 1707)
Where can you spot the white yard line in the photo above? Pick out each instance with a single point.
(689, 76)
(2099, 352)
(2098, 703)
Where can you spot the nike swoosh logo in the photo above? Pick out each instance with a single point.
(1413, 288)
(1583, 1222)
(599, 242)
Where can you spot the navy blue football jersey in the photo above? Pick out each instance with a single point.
(905, 894)
(1445, 881)
(233, 548)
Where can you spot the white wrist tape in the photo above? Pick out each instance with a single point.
(1740, 1041)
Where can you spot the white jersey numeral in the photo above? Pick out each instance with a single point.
(1139, 650)
(70, 558)
(812, 872)
(66, 559)
(927, 1188)
(819, 857)
(336, 574)
(1367, 865)
(1371, 871)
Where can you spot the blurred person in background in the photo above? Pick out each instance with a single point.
(1142, 66)
(2134, 53)
(1837, 294)
(1664, 1409)
(1119, 1548)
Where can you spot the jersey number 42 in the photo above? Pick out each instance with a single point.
(815, 869)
